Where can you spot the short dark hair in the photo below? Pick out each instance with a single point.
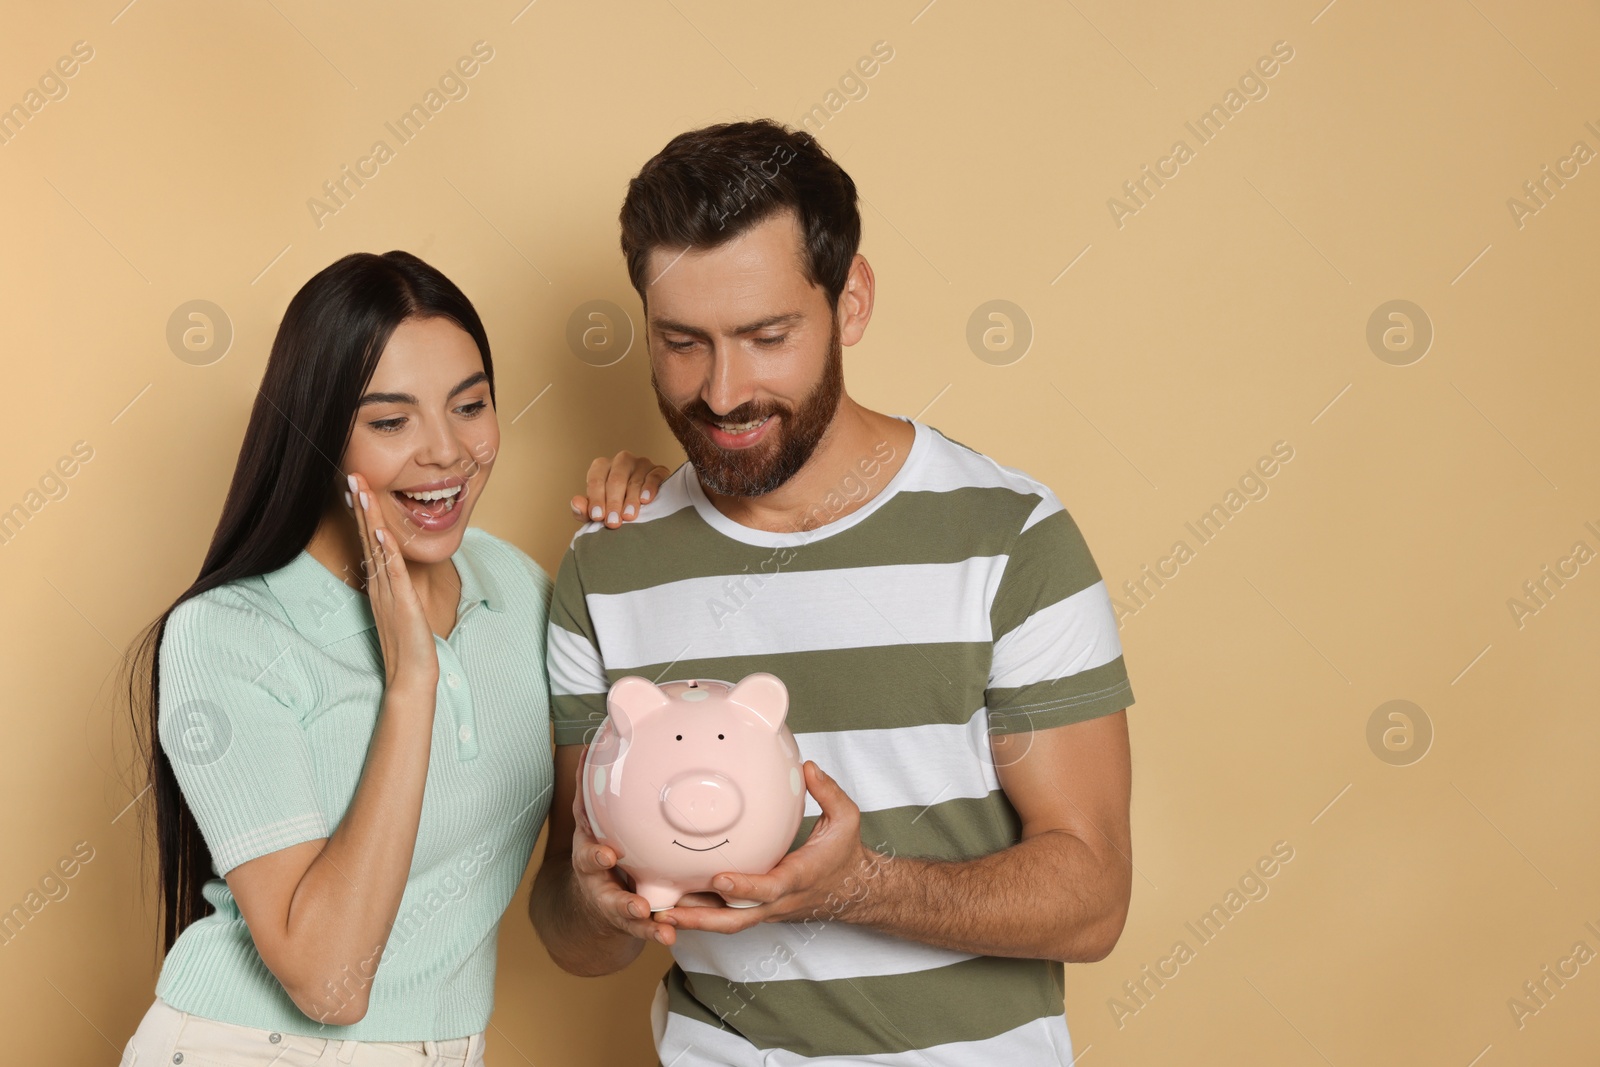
(709, 185)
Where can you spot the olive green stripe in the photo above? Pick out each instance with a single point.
(568, 609)
(972, 1000)
(576, 717)
(911, 527)
(883, 687)
(846, 688)
(956, 829)
(1049, 562)
(1086, 695)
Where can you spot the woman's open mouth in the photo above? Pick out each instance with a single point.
(433, 509)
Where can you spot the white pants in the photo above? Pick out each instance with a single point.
(168, 1037)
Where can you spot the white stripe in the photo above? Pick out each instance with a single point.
(951, 466)
(756, 615)
(574, 664)
(816, 950)
(691, 1043)
(1071, 635)
(907, 765)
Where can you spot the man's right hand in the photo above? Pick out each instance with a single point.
(601, 886)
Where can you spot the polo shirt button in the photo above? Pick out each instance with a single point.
(177, 1057)
(274, 1038)
(465, 733)
(452, 681)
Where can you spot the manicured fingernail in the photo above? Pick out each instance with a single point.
(600, 858)
(347, 501)
(724, 883)
(613, 517)
(575, 509)
(379, 534)
(661, 936)
(596, 511)
(633, 909)
(645, 496)
(351, 478)
(627, 512)
(363, 502)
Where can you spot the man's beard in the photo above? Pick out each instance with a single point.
(763, 467)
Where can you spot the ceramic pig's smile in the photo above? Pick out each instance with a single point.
(708, 848)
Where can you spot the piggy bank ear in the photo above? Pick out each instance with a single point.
(765, 695)
(631, 700)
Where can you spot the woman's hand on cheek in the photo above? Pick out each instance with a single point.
(404, 633)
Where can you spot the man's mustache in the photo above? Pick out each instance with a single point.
(751, 412)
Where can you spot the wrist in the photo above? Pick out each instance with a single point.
(872, 884)
(412, 687)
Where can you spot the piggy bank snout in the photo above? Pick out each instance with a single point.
(702, 803)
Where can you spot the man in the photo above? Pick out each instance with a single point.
(956, 679)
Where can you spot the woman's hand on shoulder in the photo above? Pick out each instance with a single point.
(617, 487)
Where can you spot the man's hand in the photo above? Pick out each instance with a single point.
(600, 885)
(831, 867)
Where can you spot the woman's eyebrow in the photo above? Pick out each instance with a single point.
(406, 398)
(467, 383)
(387, 398)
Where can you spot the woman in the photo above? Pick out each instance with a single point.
(354, 758)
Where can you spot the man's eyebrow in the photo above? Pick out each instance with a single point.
(786, 318)
(406, 398)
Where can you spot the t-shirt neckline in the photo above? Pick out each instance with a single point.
(786, 538)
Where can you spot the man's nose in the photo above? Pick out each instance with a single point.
(728, 380)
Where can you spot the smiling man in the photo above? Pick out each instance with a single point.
(956, 679)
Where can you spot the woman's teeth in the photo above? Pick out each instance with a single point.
(741, 427)
(433, 496)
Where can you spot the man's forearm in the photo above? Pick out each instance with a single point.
(577, 940)
(1050, 896)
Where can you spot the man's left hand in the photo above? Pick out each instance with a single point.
(822, 876)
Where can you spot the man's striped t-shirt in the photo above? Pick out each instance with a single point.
(960, 601)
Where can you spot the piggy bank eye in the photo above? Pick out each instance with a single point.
(719, 737)
(680, 737)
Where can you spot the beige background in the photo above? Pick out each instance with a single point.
(1230, 312)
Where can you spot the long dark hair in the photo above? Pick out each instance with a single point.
(287, 476)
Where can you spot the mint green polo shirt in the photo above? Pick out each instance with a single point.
(270, 692)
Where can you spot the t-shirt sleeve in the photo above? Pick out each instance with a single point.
(1057, 657)
(578, 683)
(234, 742)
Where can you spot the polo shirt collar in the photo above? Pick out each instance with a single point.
(478, 583)
(323, 609)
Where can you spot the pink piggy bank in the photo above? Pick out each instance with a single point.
(693, 778)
